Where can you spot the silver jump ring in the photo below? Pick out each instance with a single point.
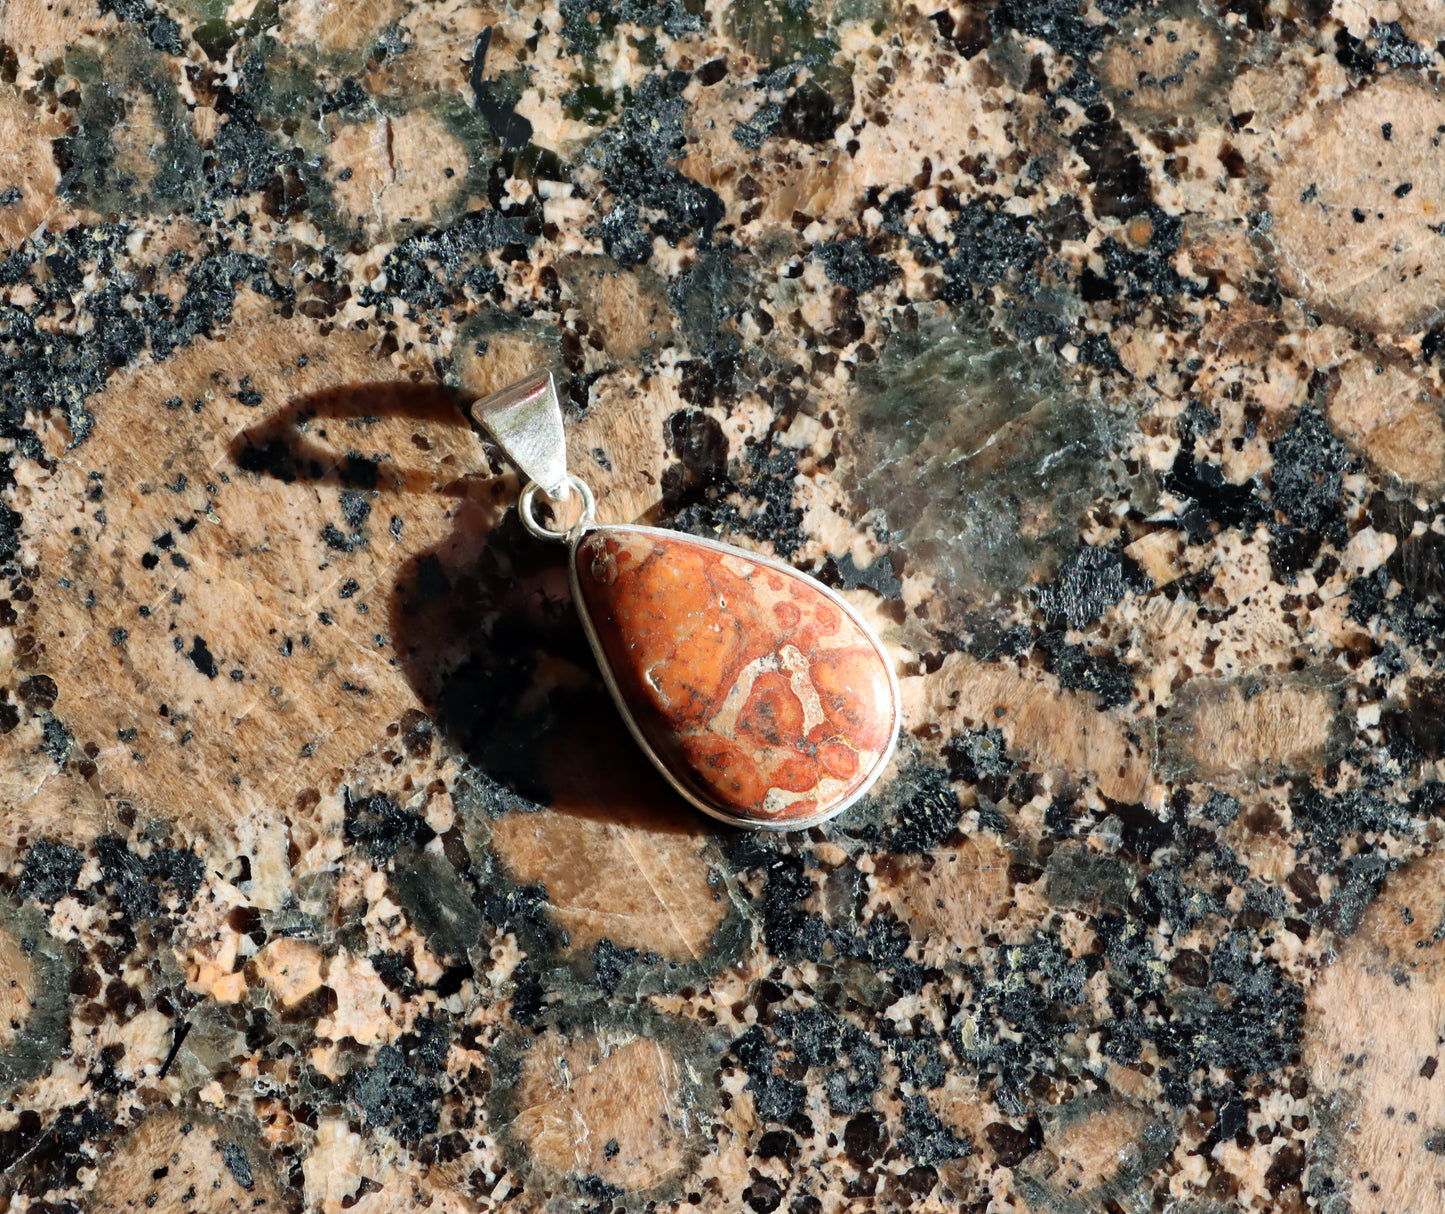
(528, 500)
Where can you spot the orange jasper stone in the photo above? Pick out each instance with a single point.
(762, 698)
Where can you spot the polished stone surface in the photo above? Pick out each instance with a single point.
(761, 695)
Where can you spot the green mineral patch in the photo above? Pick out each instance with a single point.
(132, 148)
(979, 459)
(219, 27)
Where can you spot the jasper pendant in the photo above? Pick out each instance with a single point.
(759, 693)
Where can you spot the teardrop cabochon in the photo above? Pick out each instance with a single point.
(760, 694)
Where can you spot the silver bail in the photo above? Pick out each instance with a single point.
(525, 418)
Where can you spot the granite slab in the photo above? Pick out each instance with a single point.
(1091, 349)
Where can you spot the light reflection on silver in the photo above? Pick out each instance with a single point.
(526, 420)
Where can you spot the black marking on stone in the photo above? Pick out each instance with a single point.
(455, 252)
(138, 882)
(1090, 581)
(611, 962)
(990, 246)
(394, 969)
(850, 264)
(635, 156)
(511, 129)
(56, 740)
(587, 23)
(380, 825)
(51, 870)
(336, 539)
(349, 97)
(528, 995)
(754, 132)
(162, 33)
(354, 506)
(393, 1098)
(775, 1097)
(1308, 476)
(979, 757)
(1120, 183)
(881, 576)
(1057, 22)
(1215, 500)
(201, 658)
(239, 1166)
(179, 1031)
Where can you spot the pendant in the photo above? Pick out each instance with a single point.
(759, 693)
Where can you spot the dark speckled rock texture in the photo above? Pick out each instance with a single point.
(1091, 348)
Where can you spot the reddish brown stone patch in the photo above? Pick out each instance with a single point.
(763, 697)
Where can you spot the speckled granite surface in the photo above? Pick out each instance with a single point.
(1092, 349)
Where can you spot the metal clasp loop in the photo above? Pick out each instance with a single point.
(528, 501)
(525, 419)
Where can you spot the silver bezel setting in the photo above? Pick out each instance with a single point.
(586, 528)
